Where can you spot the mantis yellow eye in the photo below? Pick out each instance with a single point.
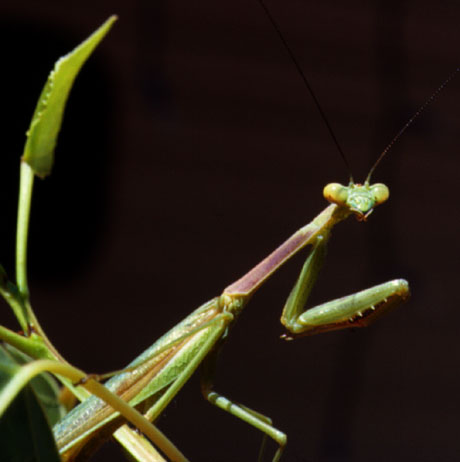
(380, 192)
(336, 193)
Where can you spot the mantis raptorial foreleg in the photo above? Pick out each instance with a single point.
(358, 309)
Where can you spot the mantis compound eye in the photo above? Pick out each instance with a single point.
(336, 193)
(380, 193)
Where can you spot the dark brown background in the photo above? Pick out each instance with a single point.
(190, 149)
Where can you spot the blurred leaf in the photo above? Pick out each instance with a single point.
(45, 387)
(47, 118)
(25, 433)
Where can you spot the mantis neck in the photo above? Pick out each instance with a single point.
(320, 226)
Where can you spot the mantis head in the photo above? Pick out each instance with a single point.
(360, 199)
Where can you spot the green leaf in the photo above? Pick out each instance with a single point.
(45, 387)
(47, 118)
(25, 433)
(3, 276)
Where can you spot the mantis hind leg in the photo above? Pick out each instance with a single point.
(356, 310)
(254, 418)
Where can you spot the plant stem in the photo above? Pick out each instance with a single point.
(26, 184)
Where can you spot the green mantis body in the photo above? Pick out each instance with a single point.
(159, 373)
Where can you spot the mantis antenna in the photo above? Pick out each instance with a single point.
(409, 122)
(323, 115)
(308, 86)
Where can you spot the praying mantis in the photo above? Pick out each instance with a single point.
(169, 362)
(164, 368)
